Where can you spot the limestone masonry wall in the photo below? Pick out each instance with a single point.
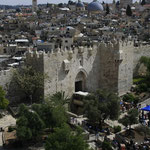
(142, 50)
(104, 65)
(5, 78)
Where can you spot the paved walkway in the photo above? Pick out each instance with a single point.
(144, 103)
(116, 123)
(6, 121)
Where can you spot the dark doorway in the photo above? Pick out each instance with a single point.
(78, 86)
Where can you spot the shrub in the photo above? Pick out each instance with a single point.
(143, 87)
(3, 101)
(138, 80)
(128, 98)
(136, 100)
(106, 145)
(117, 129)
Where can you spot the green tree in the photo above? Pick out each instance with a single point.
(146, 84)
(93, 112)
(143, 2)
(59, 98)
(131, 118)
(23, 132)
(59, 116)
(51, 116)
(64, 138)
(29, 124)
(3, 101)
(106, 145)
(107, 9)
(128, 11)
(101, 105)
(45, 112)
(128, 97)
(146, 61)
(30, 82)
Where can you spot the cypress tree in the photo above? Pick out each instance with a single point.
(107, 9)
(128, 11)
(143, 2)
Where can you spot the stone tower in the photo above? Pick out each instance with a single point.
(102, 66)
(34, 5)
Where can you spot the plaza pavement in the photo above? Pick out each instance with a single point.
(6, 121)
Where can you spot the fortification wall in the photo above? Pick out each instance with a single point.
(63, 67)
(125, 73)
(142, 50)
(35, 59)
(103, 66)
(109, 71)
(5, 78)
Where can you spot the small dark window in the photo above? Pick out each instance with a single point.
(5, 51)
(66, 41)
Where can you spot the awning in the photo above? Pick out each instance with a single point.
(147, 108)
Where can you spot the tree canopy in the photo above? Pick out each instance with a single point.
(146, 61)
(143, 2)
(64, 138)
(145, 82)
(128, 11)
(107, 9)
(131, 118)
(3, 101)
(59, 98)
(101, 105)
(29, 124)
(30, 82)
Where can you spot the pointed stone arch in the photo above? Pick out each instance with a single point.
(80, 80)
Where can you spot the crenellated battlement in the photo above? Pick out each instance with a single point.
(107, 64)
(113, 45)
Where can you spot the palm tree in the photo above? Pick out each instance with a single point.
(59, 98)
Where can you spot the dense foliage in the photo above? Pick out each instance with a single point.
(30, 82)
(29, 124)
(64, 138)
(131, 118)
(106, 145)
(3, 101)
(128, 11)
(107, 9)
(130, 98)
(101, 105)
(117, 129)
(143, 83)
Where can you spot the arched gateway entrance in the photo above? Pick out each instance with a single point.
(80, 82)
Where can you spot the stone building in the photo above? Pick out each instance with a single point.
(103, 66)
